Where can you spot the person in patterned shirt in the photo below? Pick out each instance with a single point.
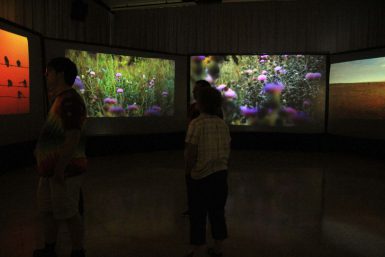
(61, 159)
(206, 155)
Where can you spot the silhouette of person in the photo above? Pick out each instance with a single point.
(61, 160)
(206, 155)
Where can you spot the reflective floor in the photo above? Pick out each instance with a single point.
(287, 204)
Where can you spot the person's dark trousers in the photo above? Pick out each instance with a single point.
(208, 198)
(188, 192)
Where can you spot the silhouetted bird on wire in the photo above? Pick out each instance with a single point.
(6, 61)
(24, 82)
(18, 63)
(19, 94)
(10, 83)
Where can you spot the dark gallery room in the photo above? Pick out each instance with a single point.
(191, 128)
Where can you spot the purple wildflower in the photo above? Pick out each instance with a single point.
(275, 87)
(92, 73)
(301, 117)
(116, 109)
(78, 84)
(277, 69)
(109, 100)
(230, 94)
(164, 93)
(262, 61)
(119, 90)
(221, 87)
(264, 72)
(209, 79)
(290, 111)
(248, 111)
(199, 58)
(262, 78)
(315, 75)
(264, 56)
(118, 75)
(306, 103)
(132, 107)
(153, 111)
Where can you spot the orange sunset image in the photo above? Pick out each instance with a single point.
(14, 74)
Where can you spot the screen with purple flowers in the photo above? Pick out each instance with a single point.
(115, 85)
(357, 94)
(267, 92)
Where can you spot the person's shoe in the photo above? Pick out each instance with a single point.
(78, 253)
(44, 253)
(212, 253)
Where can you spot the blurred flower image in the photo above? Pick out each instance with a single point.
(248, 111)
(78, 84)
(311, 75)
(273, 88)
(109, 100)
(230, 94)
(221, 87)
(268, 90)
(262, 78)
(153, 111)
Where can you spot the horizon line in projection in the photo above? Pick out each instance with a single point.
(15, 77)
(358, 71)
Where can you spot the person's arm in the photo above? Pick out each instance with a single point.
(191, 147)
(71, 114)
(190, 156)
(72, 138)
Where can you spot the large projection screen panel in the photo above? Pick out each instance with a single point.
(22, 98)
(357, 94)
(267, 93)
(127, 91)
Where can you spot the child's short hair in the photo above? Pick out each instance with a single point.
(209, 100)
(65, 65)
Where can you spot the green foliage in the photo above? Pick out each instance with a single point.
(128, 81)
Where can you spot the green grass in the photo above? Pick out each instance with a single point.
(137, 74)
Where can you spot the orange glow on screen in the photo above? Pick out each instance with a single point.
(14, 74)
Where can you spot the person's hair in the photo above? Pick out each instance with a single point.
(209, 100)
(65, 65)
(199, 85)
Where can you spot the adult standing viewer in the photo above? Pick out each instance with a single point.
(61, 160)
(206, 155)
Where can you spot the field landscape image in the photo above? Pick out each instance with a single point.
(357, 90)
(124, 86)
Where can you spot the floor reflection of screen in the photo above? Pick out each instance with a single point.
(267, 91)
(124, 86)
(14, 70)
(357, 97)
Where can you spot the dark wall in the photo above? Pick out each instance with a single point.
(53, 19)
(287, 26)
